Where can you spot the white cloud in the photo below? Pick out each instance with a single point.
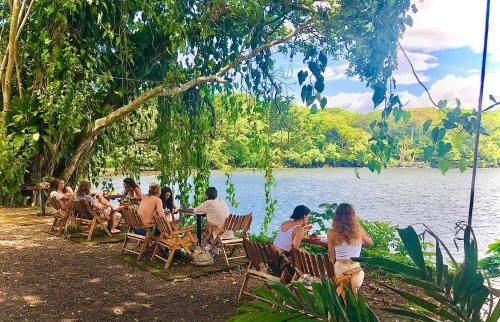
(354, 102)
(448, 24)
(449, 87)
(421, 62)
(464, 88)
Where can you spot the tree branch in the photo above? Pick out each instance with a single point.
(217, 77)
(21, 26)
(416, 76)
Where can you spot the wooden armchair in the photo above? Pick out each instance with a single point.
(264, 264)
(62, 214)
(233, 223)
(318, 265)
(134, 221)
(86, 216)
(172, 238)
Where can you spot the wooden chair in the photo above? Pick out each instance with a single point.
(86, 216)
(264, 264)
(134, 221)
(172, 238)
(62, 214)
(233, 223)
(318, 265)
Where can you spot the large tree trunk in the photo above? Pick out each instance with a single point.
(12, 49)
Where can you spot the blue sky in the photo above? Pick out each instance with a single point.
(444, 45)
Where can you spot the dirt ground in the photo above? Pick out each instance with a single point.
(48, 278)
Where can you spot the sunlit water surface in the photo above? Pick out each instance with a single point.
(397, 196)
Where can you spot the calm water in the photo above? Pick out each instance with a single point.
(398, 196)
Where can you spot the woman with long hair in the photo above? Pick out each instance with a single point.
(344, 243)
(132, 190)
(167, 199)
(59, 190)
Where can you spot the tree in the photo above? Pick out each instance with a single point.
(88, 64)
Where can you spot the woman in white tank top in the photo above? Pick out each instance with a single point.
(291, 231)
(344, 242)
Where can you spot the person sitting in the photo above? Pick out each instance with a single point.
(60, 191)
(151, 203)
(216, 211)
(291, 231)
(132, 190)
(344, 242)
(167, 199)
(83, 193)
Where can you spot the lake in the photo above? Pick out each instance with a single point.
(398, 196)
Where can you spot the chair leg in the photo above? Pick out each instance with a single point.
(144, 244)
(170, 255)
(101, 223)
(155, 250)
(186, 248)
(225, 255)
(91, 229)
(244, 285)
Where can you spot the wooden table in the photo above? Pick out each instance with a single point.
(315, 241)
(40, 190)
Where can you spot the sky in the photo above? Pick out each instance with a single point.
(445, 46)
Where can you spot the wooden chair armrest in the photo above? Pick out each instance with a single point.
(353, 271)
(184, 229)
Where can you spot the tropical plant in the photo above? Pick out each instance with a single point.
(491, 264)
(279, 303)
(456, 293)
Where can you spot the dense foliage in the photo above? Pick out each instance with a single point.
(75, 72)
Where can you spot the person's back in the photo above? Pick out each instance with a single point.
(344, 243)
(147, 207)
(291, 231)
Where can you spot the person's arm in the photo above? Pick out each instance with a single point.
(331, 247)
(297, 235)
(138, 193)
(367, 240)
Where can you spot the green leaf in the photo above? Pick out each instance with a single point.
(495, 315)
(443, 148)
(457, 139)
(372, 165)
(463, 165)
(408, 20)
(322, 102)
(378, 95)
(442, 104)
(398, 113)
(428, 151)
(439, 264)
(302, 75)
(410, 314)
(406, 116)
(36, 137)
(427, 124)
(319, 85)
(356, 172)
(323, 59)
(438, 134)
(393, 266)
(443, 166)
(413, 247)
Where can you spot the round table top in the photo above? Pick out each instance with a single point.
(37, 188)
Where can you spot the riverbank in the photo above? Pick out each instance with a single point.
(45, 277)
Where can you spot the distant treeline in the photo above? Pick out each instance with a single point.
(331, 137)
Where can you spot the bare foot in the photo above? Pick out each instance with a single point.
(115, 231)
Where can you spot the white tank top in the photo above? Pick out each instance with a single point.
(346, 251)
(284, 238)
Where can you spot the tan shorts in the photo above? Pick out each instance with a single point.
(357, 279)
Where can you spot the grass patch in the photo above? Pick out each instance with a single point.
(98, 238)
(181, 267)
